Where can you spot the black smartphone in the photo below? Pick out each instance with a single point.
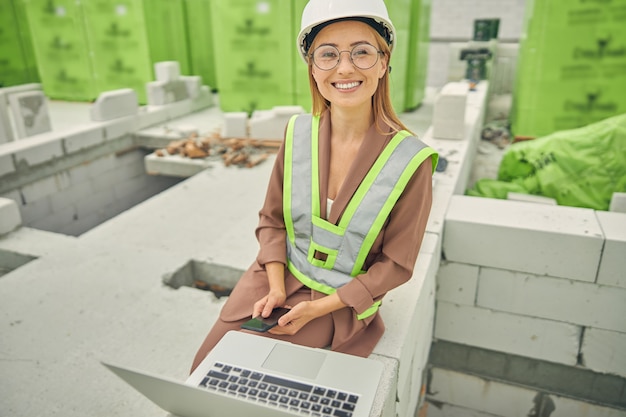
(260, 324)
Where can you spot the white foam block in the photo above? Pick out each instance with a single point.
(113, 104)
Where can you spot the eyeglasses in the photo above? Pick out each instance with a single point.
(363, 56)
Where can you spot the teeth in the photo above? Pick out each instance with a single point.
(347, 86)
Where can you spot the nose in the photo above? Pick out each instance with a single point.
(345, 65)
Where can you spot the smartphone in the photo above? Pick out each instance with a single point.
(261, 324)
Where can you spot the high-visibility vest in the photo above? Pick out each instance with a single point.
(346, 245)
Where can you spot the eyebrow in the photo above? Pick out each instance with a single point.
(352, 44)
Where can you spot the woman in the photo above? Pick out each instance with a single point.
(348, 198)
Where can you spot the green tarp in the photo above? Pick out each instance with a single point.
(579, 167)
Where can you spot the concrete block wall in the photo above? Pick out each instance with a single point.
(70, 180)
(470, 396)
(539, 282)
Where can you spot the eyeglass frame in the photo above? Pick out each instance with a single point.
(378, 53)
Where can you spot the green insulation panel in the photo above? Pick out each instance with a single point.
(18, 64)
(165, 22)
(61, 49)
(572, 66)
(119, 45)
(399, 13)
(302, 88)
(418, 53)
(256, 54)
(200, 41)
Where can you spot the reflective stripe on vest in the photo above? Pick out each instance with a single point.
(345, 246)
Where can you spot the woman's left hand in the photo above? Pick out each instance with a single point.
(295, 319)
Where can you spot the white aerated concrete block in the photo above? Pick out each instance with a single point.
(166, 92)
(175, 165)
(448, 129)
(6, 130)
(520, 335)
(271, 124)
(203, 100)
(167, 71)
(6, 164)
(118, 128)
(466, 392)
(575, 302)
(235, 125)
(603, 351)
(457, 283)
(475, 393)
(10, 217)
(40, 149)
(80, 137)
(193, 83)
(44, 187)
(613, 261)
(113, 104)
(529, 198)
(559, 241)
(451, 101)
(30, 113)
(449, 111)
(618, 203)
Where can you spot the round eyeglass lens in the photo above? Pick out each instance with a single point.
(363, 56)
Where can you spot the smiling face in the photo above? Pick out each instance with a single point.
(346, 85)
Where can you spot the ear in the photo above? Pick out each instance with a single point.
(384, 67)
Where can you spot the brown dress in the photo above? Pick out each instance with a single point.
(389, 263)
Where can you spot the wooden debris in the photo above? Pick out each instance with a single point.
(233, 151)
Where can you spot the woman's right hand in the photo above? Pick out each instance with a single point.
(277, 295)
(264, 307)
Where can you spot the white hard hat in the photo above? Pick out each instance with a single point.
(319, 13)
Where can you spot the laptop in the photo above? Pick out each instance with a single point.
(252, 375)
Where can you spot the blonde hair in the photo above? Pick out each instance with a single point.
(381, 100)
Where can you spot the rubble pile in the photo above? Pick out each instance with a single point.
(242, 152)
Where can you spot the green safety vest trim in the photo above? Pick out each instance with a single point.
(347, 244)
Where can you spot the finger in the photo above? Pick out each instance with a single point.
(258, 308)
(267, 309)
(286, 319)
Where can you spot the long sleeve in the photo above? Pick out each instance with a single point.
(270, 232)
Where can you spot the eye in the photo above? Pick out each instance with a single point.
(363, 50)
(326, 53)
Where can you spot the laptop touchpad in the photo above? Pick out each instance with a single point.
(295, 361)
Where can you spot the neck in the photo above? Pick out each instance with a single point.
(350, 124)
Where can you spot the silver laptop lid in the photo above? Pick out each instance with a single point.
(301, 373)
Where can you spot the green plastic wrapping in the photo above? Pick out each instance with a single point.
(580, 167)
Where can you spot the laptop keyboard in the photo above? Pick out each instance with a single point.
(302, 398)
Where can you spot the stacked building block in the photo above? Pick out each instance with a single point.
(449, 111)
(531, 296)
